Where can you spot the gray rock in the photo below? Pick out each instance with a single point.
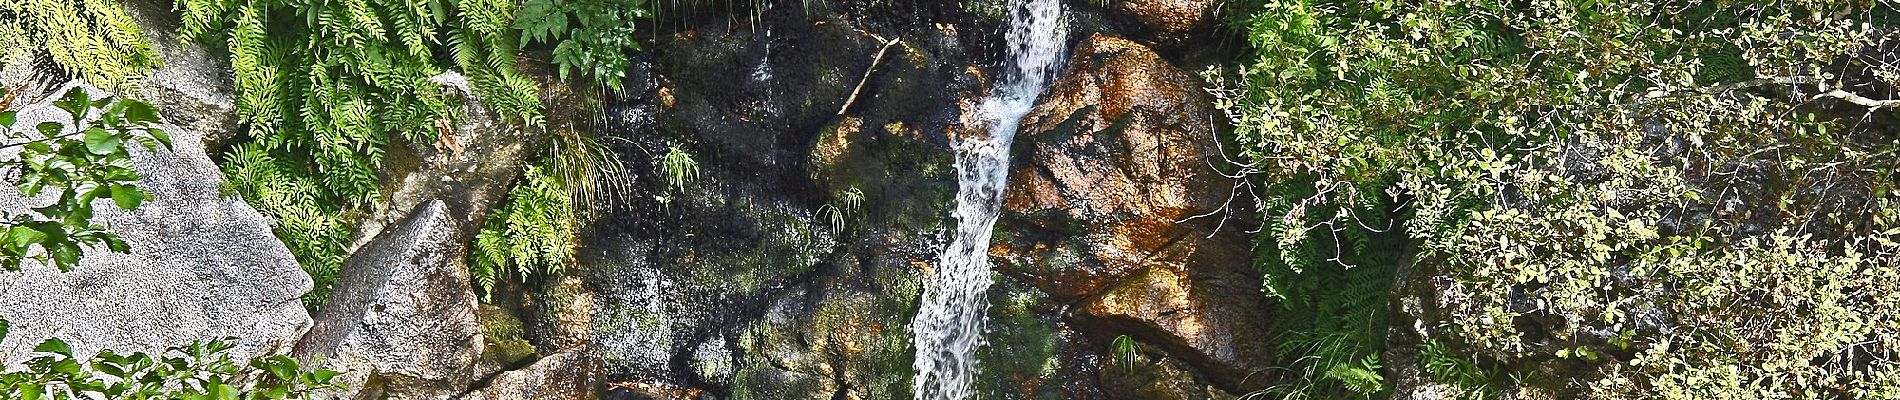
(202, 266)
(401, 323)
(567, 375)
(193, 85)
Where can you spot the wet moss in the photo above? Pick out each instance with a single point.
(1020, 357)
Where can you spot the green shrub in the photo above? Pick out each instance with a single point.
(1666, 199)
(590, 36)
(189, 372)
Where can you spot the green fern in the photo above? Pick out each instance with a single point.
(532, 233)
(326, 87)
(1333, 282)
(92, 39)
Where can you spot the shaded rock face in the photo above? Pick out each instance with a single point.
(401, 323)
(470, 168)
(789, 269)
(192, 88)
(1110, 180)
(201, 265)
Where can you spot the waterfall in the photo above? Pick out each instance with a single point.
(950, 320)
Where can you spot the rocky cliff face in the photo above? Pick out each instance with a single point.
(790, 268)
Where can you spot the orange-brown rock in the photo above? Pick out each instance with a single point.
(1113, 205)
(1169, 20)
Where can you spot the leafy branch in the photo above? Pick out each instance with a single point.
(76, 162)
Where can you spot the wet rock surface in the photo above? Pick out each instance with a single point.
(1113, 207)
(201, 265)
(789, 268)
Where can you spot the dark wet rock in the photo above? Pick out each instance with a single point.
(1029, 353)
(1157, 378)
(1111, 179)
(566, 375)
(789, 269)
(401, 323)
(202, 266)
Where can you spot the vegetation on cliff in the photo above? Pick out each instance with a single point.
(74, 159)
(1604, 199)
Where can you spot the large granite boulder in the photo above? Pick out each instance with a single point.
(1114, 205)
(401, 323)
(202, 266)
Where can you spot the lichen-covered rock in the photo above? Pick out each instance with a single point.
(202, 266)
(402, 321)
(566, 375)
(1114, 204)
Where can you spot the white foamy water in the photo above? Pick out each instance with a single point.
(950, 320)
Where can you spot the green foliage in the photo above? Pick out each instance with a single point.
(1333, 280)
(325, 88)
(1687, 199)
(315, 230)
(191, 372)
(92, 39)
(1446, 366)
(678, 168)
(590, 36)
(594, 176)
(74, 161)
(1125, 352)
(532, 233)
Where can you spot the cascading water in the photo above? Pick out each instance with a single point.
(949, 323)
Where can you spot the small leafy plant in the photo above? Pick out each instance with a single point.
(590, 36)
(77, 160)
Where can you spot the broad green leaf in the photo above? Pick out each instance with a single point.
(75, 102)
(137, 112)
(21, 236)
(127, 196)
(54, 346)
(100, 142)
(49, 129)
(162, 137)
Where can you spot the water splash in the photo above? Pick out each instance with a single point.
(949, 323)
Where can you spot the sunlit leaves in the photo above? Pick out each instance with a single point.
(73, 164)
(191, 372)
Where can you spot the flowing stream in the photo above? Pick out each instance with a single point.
(949, 323)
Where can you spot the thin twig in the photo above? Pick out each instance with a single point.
(867, 74)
